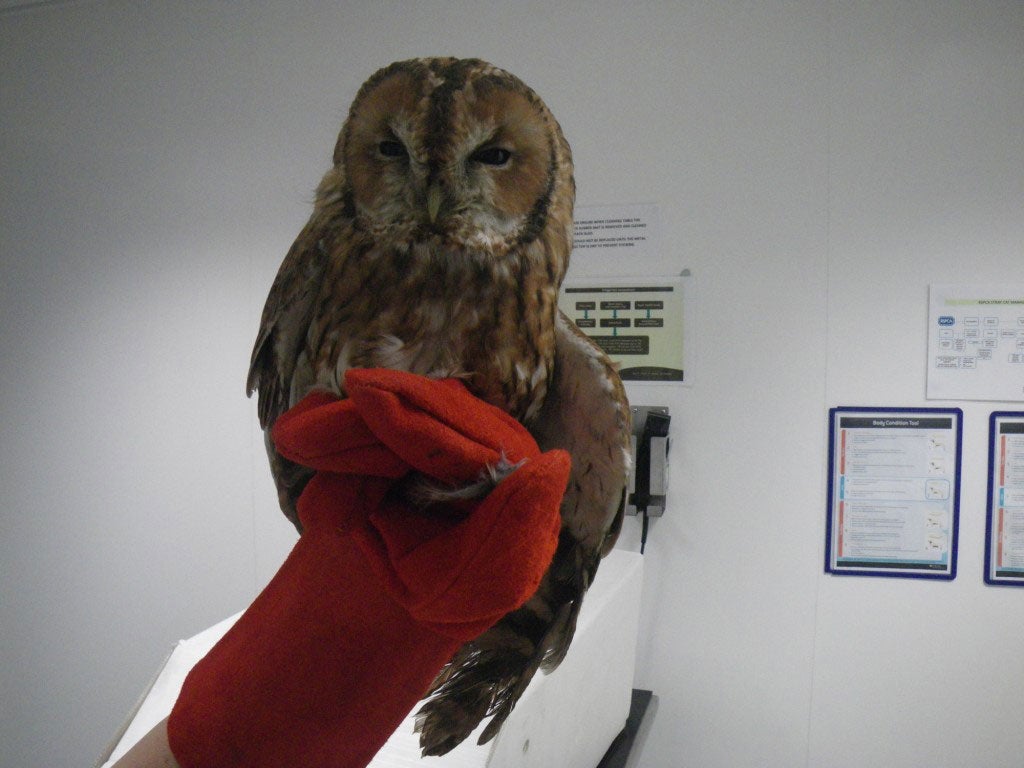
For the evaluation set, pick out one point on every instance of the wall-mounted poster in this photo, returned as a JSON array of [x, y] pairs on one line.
[[976, 342], [894, 491], [1004, 540], [637, 321]]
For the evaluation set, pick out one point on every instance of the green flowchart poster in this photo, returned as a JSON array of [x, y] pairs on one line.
[[638, 322]]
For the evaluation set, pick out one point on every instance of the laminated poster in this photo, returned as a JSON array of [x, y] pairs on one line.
[[894, 491], [638, 322], [1004, 541]]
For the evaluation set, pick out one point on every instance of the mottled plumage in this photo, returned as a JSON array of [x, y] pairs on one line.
[[437, 245]]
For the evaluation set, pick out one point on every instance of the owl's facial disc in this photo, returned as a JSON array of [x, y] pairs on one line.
[[465, 157]]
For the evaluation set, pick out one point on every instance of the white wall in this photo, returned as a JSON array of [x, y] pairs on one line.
[[817, 166]]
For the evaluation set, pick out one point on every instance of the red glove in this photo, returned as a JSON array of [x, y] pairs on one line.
[[377, 594]]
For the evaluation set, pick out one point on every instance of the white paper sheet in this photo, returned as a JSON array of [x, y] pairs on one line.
[[976, 342]]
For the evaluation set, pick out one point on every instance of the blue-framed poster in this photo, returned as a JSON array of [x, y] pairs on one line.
[[1004, 526], [893, 491]]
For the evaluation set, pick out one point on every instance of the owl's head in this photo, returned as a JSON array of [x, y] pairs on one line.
[[458, 151]]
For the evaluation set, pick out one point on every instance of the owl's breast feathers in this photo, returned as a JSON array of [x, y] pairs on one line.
[[436, 308]]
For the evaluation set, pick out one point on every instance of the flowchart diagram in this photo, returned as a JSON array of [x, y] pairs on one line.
[[639, 326], [976, 342]]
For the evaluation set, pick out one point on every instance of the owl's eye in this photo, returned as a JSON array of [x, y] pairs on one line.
[[391, 148], [491, 156]]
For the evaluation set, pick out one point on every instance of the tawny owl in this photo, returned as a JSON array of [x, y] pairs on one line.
[[437, 244]]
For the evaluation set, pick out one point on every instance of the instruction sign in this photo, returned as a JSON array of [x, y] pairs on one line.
[[616, 231], [637, 322]]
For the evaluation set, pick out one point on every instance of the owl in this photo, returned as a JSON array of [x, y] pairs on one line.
[[437, 244]]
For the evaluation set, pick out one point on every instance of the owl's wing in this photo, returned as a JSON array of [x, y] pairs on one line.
[[278, 350], [587, 414], [286, 318]]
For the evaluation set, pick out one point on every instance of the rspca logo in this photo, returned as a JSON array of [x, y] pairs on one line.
[[946, 320]]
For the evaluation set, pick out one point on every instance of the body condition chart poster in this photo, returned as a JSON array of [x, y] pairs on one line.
[[1004, 543], [894, 491]]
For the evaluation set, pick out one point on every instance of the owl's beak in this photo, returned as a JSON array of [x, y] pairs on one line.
[[435, 196]]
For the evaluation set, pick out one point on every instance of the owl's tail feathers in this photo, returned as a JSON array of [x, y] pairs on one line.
[[485, 677], [488, 675]]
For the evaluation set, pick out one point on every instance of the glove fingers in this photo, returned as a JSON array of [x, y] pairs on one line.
[[437, 427], [327, 433], [465, 575]]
